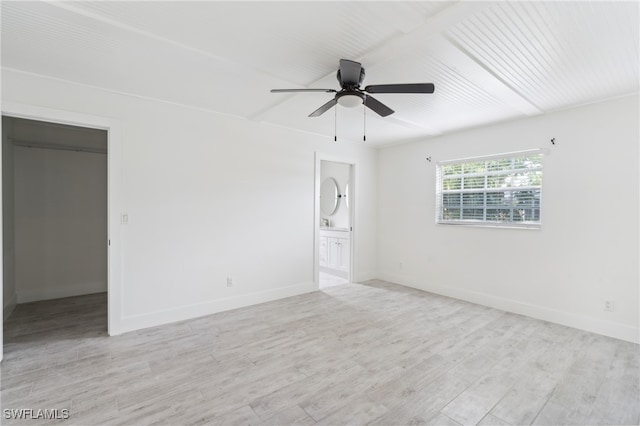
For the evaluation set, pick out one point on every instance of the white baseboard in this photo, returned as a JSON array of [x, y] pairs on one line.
[[9, 306], [34, 295], [138, 322], [582, 322]]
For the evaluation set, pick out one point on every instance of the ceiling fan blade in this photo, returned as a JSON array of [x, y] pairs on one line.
[[377, 106], [324, 108], [302, 90], [401, 88], [350, 72]]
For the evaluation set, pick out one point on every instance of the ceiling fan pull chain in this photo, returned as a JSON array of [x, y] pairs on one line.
[[364, 123], [335, 125]]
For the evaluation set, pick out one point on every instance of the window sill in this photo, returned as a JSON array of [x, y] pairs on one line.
[[531, 226]]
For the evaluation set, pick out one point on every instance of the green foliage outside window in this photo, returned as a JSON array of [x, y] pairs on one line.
[[496, 190]]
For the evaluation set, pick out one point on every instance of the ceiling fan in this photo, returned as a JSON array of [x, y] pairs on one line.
[[350, 76]]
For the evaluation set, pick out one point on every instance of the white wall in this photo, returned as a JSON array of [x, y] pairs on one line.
[[210, 196], [60, 223], [586, 251], [341, 172], [8, 249]]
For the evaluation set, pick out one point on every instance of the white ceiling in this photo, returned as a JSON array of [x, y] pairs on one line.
[[489, 61]]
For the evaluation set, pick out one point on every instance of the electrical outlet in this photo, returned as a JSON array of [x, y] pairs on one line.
[[229, 282], [609, 305]]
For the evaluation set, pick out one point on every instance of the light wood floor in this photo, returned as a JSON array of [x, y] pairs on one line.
[[373, 353]]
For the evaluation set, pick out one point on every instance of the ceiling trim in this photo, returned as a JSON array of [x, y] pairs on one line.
[[481, 75], [490, 82], [504, 91], [431, 27], [181, 105], [393, 45], [123, 93], [66, 5]]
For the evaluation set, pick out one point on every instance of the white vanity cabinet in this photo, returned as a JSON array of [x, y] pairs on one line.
[[324, 255], [334, 251]]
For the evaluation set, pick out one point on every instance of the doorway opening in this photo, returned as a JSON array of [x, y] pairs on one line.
[[55, 230], [334, 242]]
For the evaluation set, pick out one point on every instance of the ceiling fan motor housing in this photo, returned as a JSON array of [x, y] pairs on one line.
[[360, 79]]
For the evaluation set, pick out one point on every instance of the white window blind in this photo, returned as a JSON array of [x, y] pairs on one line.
[[498, 190]]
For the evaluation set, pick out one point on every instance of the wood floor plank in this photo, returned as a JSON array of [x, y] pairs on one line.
[[237, 417], [522, 403], [369, 353], [472, 405], [360, 410], [426, 403], [291, 415], [443, 420], [356, 382], [572, 401], [281, 399], [491, 420]]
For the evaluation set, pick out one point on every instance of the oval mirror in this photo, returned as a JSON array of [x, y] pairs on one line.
[[329, 196]]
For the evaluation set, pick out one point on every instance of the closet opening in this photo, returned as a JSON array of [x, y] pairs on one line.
[[55, 232]]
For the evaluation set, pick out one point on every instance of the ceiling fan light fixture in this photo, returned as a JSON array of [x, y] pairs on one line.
[[350, 100]]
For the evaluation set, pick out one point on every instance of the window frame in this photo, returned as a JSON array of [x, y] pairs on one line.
[[484, 223]]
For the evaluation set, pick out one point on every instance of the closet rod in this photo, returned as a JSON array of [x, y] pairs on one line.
[[29, 144]]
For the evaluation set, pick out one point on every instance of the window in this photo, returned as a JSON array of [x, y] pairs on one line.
[[501, 190]]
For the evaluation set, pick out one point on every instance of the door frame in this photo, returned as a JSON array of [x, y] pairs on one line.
[[114, 165], [319, 158]]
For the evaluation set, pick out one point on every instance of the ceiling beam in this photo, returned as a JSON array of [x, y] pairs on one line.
[[475, 71], [431, 26], [70, 7]]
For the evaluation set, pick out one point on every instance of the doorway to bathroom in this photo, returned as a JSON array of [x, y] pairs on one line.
[[334, 242]]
